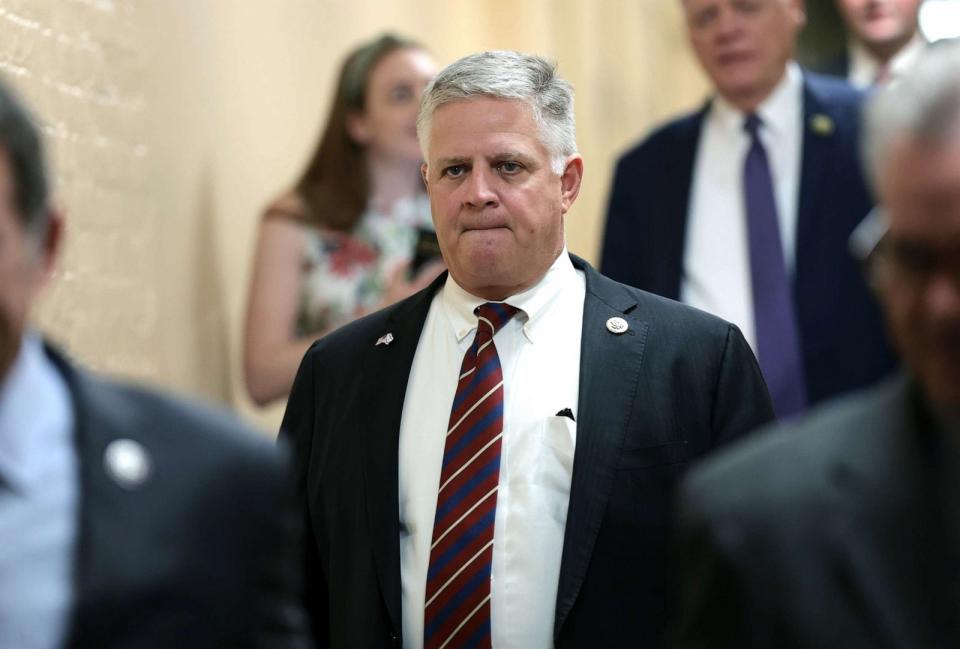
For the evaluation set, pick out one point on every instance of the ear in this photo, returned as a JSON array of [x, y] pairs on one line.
[[357, 128], [424, 170], [50, 245], [570, 181]]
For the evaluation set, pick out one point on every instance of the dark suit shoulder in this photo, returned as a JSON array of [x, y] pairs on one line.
[[662, 139], [657, 310], [677, 314], [790, 465], [192, 439], [835, 96], [182, 415], [833, 88]]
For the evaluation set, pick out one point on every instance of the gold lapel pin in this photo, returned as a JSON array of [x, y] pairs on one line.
[[821, 124]]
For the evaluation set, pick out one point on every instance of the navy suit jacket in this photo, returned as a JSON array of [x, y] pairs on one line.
[[842, 336], [200, 553], [677, 384]]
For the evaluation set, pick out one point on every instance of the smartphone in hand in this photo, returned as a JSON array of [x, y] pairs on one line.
[[426, 250]]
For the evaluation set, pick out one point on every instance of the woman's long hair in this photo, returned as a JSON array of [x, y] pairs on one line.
[[335, 185]]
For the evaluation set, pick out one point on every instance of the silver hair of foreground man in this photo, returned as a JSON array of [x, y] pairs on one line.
[[507, 75], [923, 104]]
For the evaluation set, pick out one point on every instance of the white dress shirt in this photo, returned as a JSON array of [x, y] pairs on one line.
[[539, 352], [38, 502], [716, 260], [863, 68]]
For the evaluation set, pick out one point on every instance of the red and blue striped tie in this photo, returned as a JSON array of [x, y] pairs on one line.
[[457, 611]]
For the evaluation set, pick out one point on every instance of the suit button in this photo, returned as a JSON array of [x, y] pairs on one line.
[[395, 639]]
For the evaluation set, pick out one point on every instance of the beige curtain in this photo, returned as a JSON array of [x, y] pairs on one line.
[[172, 122]]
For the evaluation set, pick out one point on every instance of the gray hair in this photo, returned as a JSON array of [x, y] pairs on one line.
[[507, 75], [924, 104]]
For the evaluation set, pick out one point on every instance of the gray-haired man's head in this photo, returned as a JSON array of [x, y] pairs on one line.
[[507, 75], [912, 149], [501, 169]]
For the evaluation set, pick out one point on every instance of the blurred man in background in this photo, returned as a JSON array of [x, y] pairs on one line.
[[883, 40], [127, 519], [743, 209], [844, 529]]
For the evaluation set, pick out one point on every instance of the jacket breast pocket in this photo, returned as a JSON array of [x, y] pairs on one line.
[[670, 454], [638, 515]]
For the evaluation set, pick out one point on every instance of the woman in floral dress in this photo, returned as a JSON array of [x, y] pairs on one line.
[[338, 245]]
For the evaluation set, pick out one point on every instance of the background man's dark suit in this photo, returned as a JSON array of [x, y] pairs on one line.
[[196, 555], [676, 385], [843, 342], [843, 531]]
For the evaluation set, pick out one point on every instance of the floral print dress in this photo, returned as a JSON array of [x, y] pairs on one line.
[[345, 273]]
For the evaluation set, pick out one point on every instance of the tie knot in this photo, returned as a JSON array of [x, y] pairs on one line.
[[492, 316], [752, 124]]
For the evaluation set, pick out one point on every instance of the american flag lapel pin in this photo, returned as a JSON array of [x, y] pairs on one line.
[[385, 339]]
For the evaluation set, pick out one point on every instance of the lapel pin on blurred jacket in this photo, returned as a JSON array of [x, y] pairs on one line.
[[386, 339], [821, 124], [127, 462]]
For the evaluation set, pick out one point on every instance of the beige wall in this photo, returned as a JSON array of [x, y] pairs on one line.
[[214, 105]]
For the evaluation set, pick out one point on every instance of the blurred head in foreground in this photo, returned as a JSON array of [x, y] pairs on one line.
[[912, 150]]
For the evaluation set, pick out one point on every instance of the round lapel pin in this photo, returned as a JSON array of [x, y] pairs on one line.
[[127, 462], [617, 325]]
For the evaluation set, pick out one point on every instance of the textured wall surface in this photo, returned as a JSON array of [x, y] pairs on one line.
[[80, 65]]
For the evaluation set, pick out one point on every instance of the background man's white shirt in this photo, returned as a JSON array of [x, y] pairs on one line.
[[716, 261], [863, 68], [39, 495]]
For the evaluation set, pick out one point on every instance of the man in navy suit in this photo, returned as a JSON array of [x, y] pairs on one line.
[[493, 460], [744, 208], [842, 529]]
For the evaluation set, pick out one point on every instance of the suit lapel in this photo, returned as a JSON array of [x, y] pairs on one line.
[[609, 372], [818, 144], [386, 370], [105, 511]]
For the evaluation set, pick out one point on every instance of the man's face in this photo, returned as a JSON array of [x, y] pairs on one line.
[[497, 205], [880, 23], [918, 265], [23, 267], [744, 45]]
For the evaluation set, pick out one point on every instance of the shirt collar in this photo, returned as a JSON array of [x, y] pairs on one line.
[[533, 303], [27, 432], [778, 111], [863, 66]]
